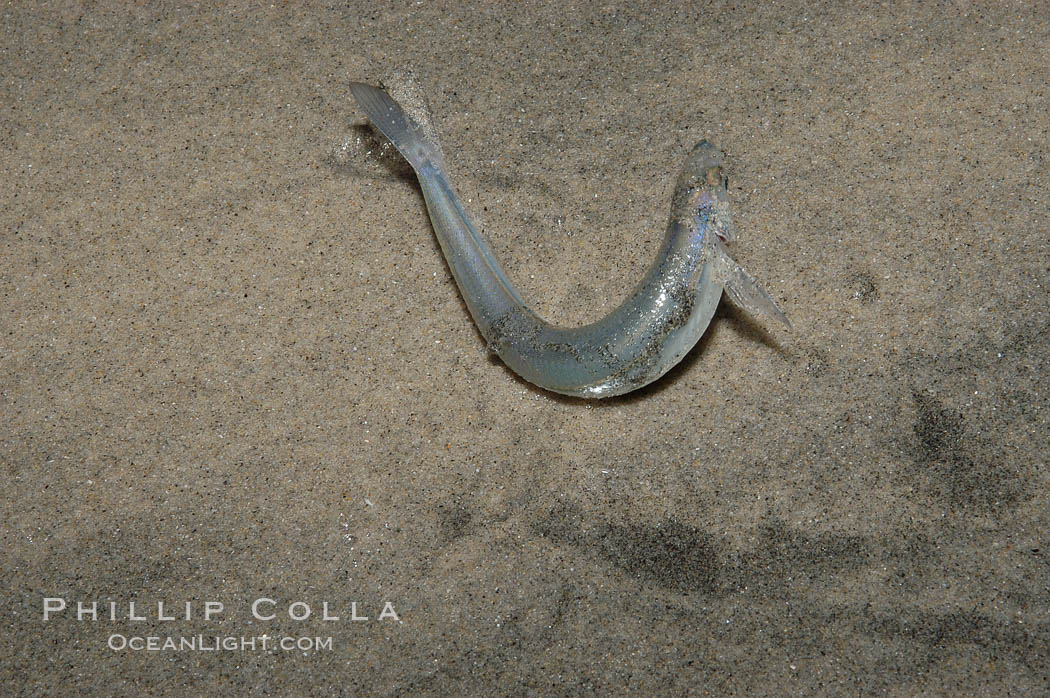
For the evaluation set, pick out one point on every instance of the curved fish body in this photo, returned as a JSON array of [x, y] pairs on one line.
[[636, 343]]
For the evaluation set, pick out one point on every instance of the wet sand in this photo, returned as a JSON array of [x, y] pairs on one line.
[[236, 371]]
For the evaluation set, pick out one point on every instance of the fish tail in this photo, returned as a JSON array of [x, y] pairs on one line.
[[400, 129]]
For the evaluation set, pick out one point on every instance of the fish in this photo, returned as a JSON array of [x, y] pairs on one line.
[[634, 344]]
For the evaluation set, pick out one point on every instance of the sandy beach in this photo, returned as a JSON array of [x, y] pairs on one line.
[[253, 443]]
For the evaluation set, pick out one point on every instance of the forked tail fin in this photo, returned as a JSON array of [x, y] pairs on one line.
[[399, 128]]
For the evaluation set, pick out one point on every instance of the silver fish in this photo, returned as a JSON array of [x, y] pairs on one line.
[[636, 343]]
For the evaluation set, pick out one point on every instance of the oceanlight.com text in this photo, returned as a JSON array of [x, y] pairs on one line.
[[218, 643]]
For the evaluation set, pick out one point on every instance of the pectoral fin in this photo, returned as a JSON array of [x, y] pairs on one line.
[[743, 288]]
